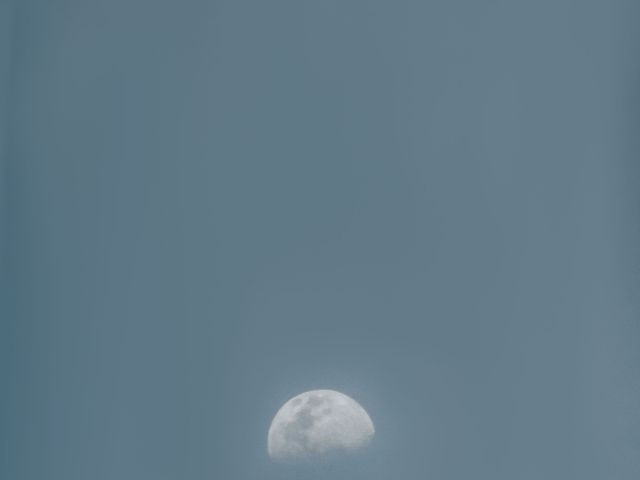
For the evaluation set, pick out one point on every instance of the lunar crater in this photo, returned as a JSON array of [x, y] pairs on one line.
[[317, 423]]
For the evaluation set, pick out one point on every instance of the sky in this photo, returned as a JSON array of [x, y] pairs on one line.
[[209, 207]]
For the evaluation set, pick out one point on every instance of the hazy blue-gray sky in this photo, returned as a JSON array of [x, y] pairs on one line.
[[210, 206]]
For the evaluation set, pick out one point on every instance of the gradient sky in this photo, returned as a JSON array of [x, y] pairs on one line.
[[211, 206]]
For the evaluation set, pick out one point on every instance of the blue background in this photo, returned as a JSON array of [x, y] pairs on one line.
[[211, 206]]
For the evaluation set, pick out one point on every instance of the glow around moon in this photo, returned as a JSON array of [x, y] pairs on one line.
[[317, 423]]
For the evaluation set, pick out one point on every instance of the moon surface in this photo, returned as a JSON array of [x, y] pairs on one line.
[[317, 423]]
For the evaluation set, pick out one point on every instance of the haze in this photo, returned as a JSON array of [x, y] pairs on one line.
[[211, 206]]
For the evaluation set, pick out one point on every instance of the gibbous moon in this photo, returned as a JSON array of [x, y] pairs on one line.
[[317, 423]]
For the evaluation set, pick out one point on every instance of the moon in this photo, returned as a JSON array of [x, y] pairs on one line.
[[317, 423]]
